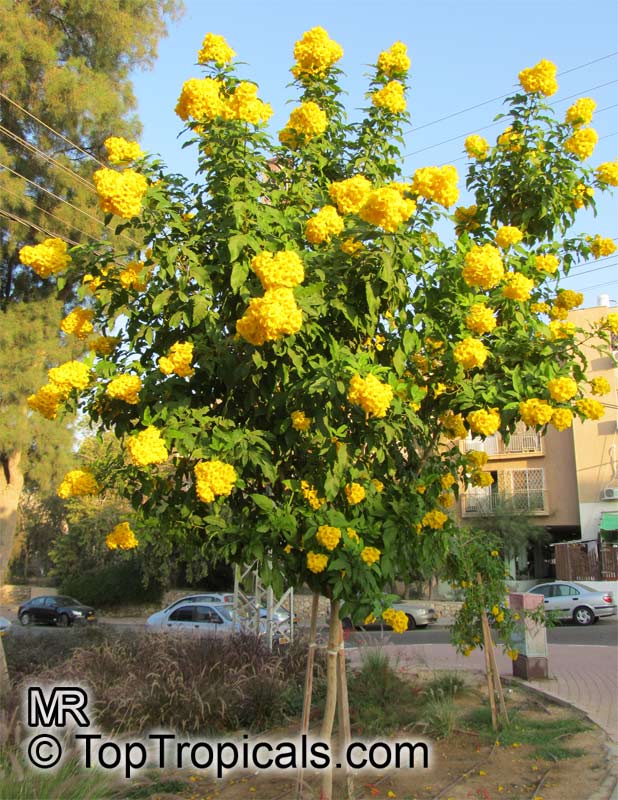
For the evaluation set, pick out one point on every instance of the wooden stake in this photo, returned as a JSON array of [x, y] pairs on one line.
[[304, 726], [331, 696], [498, 683], [487, 645], [343, 709]]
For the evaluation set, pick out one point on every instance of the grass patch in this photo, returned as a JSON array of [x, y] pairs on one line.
[[69, 782], [440, 712], [546, 736], [449, 684]]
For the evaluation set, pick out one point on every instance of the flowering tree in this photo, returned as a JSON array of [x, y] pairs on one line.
[[291, 361]]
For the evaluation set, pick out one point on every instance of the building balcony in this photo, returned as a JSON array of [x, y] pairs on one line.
[[524, 442], [485, 504]]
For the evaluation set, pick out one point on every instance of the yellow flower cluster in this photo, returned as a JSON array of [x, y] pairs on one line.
[[352, 535], [517, 286], [453, 425], [216, 49], [484, 421], [308, 119], [476, 146], [354, 493], [351, 246], [373, 396], [580, 194], [582, 143], [602, 246], [589, 408], [437, 183], [270, 317], [200, 98], [323, 226], [546, 263], [121, 538], [540, 308], [78, 322], [511, 140], [131, 276], [434, 519], [477, 457], [610, 322], [120, 193], [535, 412], [446, 481], [562, 418], [540, 78], [562, 389], [470, 353], [370, 555], [328, 536], [104, 345], [483, 266], [178, 360], [580, 113], [465, 217], [68, 376], [608, 173], [244, 104], [46, 258], [46, 401], [315, 53], [126, 388], [480, 478], [391, 97], [213, 478], [568, 299], [387, 208], [397, 620], [300, 421], [508, 235], [351, 194], [120, 151], [600, 386], [480, 319], [147, 447], [78, 483], [316, 562], [561, 330], [310, 493], [395, 60], [378, 485]]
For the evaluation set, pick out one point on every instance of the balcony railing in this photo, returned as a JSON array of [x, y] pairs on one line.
[[524, 442], [533, 502]]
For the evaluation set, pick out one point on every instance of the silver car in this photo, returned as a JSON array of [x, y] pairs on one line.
[[193, 616], [418, 617], [576, 601]]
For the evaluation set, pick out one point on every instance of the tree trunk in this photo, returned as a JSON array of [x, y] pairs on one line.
[[11, 484], [331, 696]]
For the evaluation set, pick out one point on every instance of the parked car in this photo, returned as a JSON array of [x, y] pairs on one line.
[[418, 617], [55, 610], [576, 601], [204, 597], [5, 624], [193, 616]]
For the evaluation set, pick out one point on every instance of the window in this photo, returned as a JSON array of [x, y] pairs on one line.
[[38, 602], [207, 614], [546, 591], [184, 614]]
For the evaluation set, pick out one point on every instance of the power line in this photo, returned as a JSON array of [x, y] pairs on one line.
[[15, 218], [588, 271]]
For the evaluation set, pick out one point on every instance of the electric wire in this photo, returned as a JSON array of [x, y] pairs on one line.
[[16, 218]]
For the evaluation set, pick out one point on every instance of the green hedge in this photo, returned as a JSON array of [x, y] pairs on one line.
[[113, 585]]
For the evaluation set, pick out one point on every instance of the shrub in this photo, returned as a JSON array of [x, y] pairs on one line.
[[112, 585]]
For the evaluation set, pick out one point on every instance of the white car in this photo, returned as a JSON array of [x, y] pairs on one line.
[[204, 597], [193, 616], [576, 601]]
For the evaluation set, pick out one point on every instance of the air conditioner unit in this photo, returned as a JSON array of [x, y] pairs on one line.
[[609, 493]]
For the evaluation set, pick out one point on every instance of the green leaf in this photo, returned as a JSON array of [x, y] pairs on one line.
[[240, 270], [235, 245], [199, 308], [161, 300], [263, 502], [399, 361]]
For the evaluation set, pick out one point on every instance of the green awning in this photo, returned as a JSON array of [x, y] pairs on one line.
[[609, 521]]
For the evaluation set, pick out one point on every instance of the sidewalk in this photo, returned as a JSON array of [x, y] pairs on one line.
[[584, 677]]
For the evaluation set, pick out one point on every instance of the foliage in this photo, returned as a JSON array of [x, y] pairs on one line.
[[40, 521], [296, 357], [513, 529], [115, 584], [440, 713]]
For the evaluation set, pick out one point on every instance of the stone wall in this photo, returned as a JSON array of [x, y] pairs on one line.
[[15, 595]]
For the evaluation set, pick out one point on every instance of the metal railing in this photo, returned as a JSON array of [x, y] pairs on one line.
[[524, 442], [532, 502]]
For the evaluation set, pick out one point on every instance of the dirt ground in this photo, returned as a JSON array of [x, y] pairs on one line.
[[462, 767]]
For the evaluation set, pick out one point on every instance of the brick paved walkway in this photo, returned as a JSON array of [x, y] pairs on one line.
[[585, 676]]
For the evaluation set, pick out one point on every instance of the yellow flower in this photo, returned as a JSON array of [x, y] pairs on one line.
[[540, 78], [316, 562], [270, 317], [510, 140], [378, 485], [562, 389], [131, 276], [610, 322], [46, 258], [397, 620], [513, 655], [391, 97], [300, 421], [602, 247], [78, 483], [608, 173], [437, 183], [315, 53], [147, 447], [434, 519], [287, 549], [484, 421], [480, 478], [178, 360], [580, 113], [213, 478], [580, 195], [323, 225], [562, 418], [480, 319], [476, 147], [120, 193], [567, 298], [453, 425], [477, 457], [546, 263], [387, 208], [589, 408], [46, 401], [200, 98], [283, 269], [351, 246], [125, 387], [328, 536], [351, 194], [68, 376], [120, 151], [561, 330], [483, 267], [517, 286], [582, 143], [465, 217], [354, 493], [352, 535], [395, 60], [244, 104], [495, 553], [308, 119], [78, 322], [215, 48], [508, 235], [600, 386], [310, 493], [121, 538], [373, 396], [470, 353], [535, 412]]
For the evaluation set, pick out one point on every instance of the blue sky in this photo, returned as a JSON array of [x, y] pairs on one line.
[[464, 53]]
